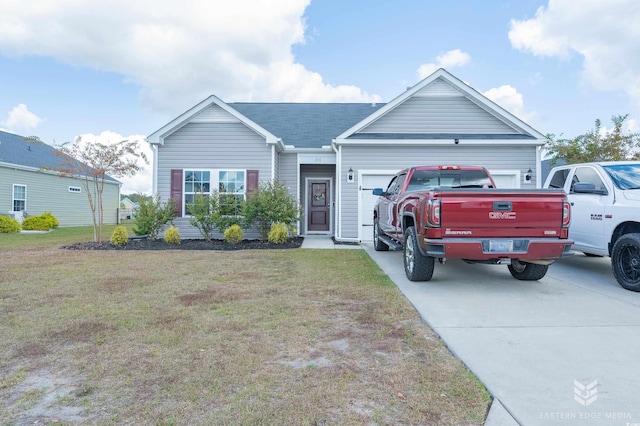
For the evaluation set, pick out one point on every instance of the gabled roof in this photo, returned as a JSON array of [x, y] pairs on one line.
[[29, 153], [442, 85], [306, 125], [159, 135]]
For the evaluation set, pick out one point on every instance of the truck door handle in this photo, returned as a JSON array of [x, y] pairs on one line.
[[502, 205]]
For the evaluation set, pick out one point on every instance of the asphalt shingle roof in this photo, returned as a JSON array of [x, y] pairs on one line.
[[306, 125], [21, 151]]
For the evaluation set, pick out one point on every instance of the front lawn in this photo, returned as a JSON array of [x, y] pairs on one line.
[[273, 337]]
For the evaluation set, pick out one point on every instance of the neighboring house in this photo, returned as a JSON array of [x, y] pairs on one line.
[[331, 155], [27, 186], [127, 208]]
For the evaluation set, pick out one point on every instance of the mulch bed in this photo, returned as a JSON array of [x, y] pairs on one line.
[[146, 244]]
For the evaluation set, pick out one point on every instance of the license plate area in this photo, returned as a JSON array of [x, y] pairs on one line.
[[500, 246]]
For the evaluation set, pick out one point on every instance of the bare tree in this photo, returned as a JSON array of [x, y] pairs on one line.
[[93, 163]]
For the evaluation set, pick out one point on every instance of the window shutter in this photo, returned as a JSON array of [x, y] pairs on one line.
[[176, 190], [252, 181]]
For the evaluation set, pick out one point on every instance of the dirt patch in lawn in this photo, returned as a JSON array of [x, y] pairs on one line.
[[277, 337]]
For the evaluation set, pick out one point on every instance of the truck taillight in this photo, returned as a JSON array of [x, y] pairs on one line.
[[432, 214], [566, 214]]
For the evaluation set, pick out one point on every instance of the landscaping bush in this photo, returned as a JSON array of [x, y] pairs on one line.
[[36, 223], [120, 237], [270, 203], [49, 217], [279, 233], [152, 215], [214, 211], [172, 235], [233, 234], [8, 225]]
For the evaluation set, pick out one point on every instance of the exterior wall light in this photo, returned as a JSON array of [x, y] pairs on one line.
[[350, 175], [527, 177]]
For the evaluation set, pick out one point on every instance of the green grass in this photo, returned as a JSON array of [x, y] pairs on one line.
[[273, 337], [55, 238]]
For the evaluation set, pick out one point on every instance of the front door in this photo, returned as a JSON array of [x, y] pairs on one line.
[[318, 206]]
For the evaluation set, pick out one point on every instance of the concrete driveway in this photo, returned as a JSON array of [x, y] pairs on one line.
[[564, 350]]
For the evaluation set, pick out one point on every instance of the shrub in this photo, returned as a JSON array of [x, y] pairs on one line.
[[233, 234], [152, 215], [49, 217], [214, 211], [36, 223], [119, 236], [270, 203], [8, 225], [279, 233], [172, 235]]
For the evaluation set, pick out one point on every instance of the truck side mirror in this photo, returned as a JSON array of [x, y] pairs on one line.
[[587, 188], [378, 191]]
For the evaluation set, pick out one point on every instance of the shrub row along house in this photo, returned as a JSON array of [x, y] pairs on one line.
[[29, 186], [331, 155]]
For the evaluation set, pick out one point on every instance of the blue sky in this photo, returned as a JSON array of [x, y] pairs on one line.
[[118, 69]]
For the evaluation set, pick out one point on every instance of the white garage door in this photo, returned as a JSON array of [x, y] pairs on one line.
[[367, 201], [506, 178]]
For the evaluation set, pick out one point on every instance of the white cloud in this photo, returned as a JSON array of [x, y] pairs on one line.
[[510, 99], [605, 34], [142, 181], [450, 59], [21, 120], [178, 53]]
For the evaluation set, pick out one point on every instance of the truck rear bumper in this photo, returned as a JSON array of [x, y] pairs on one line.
[[485, 249]]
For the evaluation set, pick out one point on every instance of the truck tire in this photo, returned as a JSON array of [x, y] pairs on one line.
[[625, 261], [377, 244], [417, 266], [527, 271]]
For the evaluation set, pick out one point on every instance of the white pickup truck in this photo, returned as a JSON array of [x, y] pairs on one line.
[[605, 213]]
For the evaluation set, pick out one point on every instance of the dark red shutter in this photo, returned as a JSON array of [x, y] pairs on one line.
[[176, 190], [252, 181]]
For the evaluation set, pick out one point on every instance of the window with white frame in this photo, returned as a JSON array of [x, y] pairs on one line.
[[19, 198], [229, 183]]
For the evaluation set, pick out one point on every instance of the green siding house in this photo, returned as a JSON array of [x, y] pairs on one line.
[[27, 187]]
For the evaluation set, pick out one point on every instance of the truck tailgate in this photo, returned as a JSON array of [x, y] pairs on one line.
[[499, 212]]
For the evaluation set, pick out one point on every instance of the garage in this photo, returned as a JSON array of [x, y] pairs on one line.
[[366, 201]]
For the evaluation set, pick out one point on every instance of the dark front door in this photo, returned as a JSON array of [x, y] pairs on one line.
[[318, 206]]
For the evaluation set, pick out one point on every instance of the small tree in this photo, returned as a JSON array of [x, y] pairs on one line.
[[152, 215], [92, 163], [214, 211], [271, 202], [596, 145]]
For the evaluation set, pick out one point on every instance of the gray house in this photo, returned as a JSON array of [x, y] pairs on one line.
[[27, 187], [330, 155]]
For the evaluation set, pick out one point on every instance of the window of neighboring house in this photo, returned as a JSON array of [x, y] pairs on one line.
[[19, 198], [229, 183]]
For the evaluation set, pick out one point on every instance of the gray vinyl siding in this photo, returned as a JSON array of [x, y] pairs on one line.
[[439, 114], [206, 146], [288, 171], [399, 157], [50, 193]]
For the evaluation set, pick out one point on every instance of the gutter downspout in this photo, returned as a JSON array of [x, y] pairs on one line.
[[337, 231]]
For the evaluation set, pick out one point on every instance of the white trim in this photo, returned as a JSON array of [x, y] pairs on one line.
[[472, 94], [361, 173], [507, 172], [440, 142], [317, 158], [13, 196], [110, 180], [159, 135], [331, 205]]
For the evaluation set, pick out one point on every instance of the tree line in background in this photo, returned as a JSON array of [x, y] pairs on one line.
[[597, 144]]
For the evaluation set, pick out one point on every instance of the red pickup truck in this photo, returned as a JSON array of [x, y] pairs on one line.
[[440, 212]]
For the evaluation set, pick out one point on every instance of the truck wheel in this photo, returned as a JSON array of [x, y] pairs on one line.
[[527, 271], [417, 266], [377, 244], [625, 261]]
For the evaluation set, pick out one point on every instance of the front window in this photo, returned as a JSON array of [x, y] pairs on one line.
[[19, 198], [230, 185], [624, 176]]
